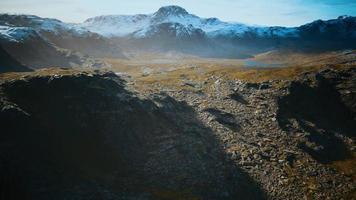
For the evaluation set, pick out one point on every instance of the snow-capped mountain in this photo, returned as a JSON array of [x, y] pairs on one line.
[[23, 28], [16, 34], [173, 20], [41, 24], [141, 25], [116, 25], [39, 42], [171, 28]]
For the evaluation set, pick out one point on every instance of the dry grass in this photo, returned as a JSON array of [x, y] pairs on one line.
[[44, 72], [173, 70], [263, 74], [290, 58], [347, 167], [177, 77], [164, 194]]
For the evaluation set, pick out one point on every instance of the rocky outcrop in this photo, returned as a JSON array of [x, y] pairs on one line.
[[293, 137], [86, 136], [323, 105]]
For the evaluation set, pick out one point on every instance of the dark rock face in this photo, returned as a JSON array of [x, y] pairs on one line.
[[324, 106], [170, 11], [9, 64], [86, 136], [332, 34], [224, 118], [35, 52]]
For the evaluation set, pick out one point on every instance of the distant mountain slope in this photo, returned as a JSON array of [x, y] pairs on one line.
[[63, 35], [32, 49], [9, 64], [141, 25], [337, 33], [172, 28]]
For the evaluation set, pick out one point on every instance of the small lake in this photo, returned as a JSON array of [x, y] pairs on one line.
[[253, 63]]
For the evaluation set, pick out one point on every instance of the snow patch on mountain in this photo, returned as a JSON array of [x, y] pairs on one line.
[[145, 25], [21, 22], [116, 25], [15, 34], [142, 25]]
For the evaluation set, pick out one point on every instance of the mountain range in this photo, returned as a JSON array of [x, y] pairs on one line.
[[37, 42], [184, 23]]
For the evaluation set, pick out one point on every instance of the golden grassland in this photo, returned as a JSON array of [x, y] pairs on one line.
[[174, 72], [40, 72], [177, 77], [171, 69], [151, 69], [292, 58]]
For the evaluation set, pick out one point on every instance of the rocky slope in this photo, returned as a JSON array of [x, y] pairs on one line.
[[93, 135], [40, 42], [91, 138], [9, 64], [64, 35]]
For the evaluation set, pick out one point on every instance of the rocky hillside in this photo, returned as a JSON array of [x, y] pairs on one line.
[[9, 64], [86, 132], [40, 42], [63, 35], [95, 135]]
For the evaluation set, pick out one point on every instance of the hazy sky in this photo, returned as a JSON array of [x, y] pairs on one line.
[[262, 12]]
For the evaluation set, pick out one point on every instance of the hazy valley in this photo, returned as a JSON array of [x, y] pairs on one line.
[[170, 105]]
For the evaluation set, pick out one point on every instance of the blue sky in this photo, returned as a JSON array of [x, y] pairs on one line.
[[262, 12]]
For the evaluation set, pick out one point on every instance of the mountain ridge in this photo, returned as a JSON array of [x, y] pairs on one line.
[[168, 14], [213, 27], [125, 25], [172, 28]]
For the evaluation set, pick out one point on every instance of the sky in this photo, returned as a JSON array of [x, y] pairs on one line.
[[255, 12]]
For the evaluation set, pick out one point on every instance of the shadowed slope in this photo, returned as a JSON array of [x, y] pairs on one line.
[[88, 137], [9, 64], [322, 106]]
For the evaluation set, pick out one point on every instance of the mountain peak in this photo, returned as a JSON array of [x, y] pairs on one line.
[[171, 10], [344, 17]]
